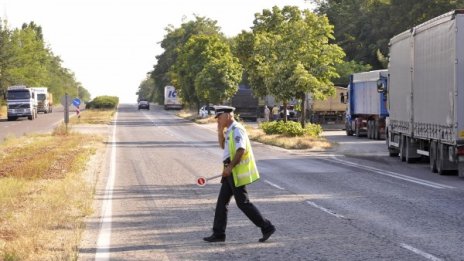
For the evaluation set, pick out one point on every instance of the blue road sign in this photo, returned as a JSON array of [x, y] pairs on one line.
[[76, 102]]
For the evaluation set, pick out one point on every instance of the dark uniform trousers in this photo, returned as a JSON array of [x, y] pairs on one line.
[[240, 194]]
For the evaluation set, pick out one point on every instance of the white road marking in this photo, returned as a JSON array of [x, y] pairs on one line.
[[325, 210], [104, 236], [394, 175], [420, 252], [274, 185]]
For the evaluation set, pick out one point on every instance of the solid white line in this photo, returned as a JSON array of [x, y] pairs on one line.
[[104, 235], [325, 210], [420, 252], [274, 185], [395, 175]]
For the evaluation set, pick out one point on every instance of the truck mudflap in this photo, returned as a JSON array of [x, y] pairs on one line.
[[460, 160], [461, 169]]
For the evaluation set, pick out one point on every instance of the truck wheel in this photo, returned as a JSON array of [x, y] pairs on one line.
[[349, 131], [369, 129], [407, 156], [357, 131], [392, 152], [440, 159], [402, 148], [376, 130], [433, 156]]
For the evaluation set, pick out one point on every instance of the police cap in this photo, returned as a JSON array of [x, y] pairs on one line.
[[223, 109]]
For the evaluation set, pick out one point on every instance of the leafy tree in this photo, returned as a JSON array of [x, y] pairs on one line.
[[164, 71], [207, 71], [145, 91], [291, 55], [345, 69], [363, 28], [25, 59]]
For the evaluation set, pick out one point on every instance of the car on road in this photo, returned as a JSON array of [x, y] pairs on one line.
[[203, 112], [144, 105]]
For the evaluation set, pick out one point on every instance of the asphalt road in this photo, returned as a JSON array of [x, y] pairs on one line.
[[44, 123], [349, 203]]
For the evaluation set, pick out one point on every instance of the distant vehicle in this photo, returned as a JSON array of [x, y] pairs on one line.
[[366, 107], [21, 102], [144, 105], [44, 99], [171, 100], [203, 112], [426, 93], [292, 114], [330, 111], [246, 105]]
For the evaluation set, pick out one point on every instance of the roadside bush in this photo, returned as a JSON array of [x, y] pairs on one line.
[[103, 102], [291, 128]]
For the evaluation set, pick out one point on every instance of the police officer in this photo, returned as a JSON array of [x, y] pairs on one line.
[[239, 170]]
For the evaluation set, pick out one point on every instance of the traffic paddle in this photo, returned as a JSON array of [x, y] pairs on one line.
[[201, 181]]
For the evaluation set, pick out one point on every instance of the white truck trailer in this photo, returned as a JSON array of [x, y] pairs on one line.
[[426, 93], [44, 99], [171, 100]]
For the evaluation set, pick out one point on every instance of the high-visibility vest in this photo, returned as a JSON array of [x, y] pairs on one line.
[[245, 172]]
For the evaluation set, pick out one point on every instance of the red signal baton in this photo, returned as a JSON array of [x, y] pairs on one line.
[[201, 181]]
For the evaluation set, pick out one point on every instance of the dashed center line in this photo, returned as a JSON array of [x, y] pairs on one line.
[[274, 185], [325, 210], [420, 252]]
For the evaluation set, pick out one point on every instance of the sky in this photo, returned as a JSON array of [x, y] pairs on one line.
[[111, 45]]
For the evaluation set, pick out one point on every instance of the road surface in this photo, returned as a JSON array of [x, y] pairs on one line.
[[349, 203]]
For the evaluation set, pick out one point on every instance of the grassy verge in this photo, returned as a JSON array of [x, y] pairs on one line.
[[302, 142], [299, 143], [43, 195], [93, 116], [3, 111]]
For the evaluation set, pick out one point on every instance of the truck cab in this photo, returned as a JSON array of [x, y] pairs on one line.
[[21, 102]]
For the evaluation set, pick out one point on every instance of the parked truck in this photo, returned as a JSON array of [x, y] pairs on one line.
[[21, 102], [330, 111], [426, 93], [171, 100], [246, 105], [366, 107], [44, 99]]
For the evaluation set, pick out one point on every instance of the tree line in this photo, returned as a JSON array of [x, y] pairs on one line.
[[287, 53], [25, 59]]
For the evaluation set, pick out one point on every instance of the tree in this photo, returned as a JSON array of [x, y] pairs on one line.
[[292, 56], [26, 60], [207, 71], [145, 91], [363, 28], [164, 71]]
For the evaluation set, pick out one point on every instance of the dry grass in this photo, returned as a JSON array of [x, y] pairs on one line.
[[3, 111], [298, 143], [93, 117], [43, 196]]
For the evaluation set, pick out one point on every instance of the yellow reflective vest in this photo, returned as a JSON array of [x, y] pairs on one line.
[[245, 172]]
